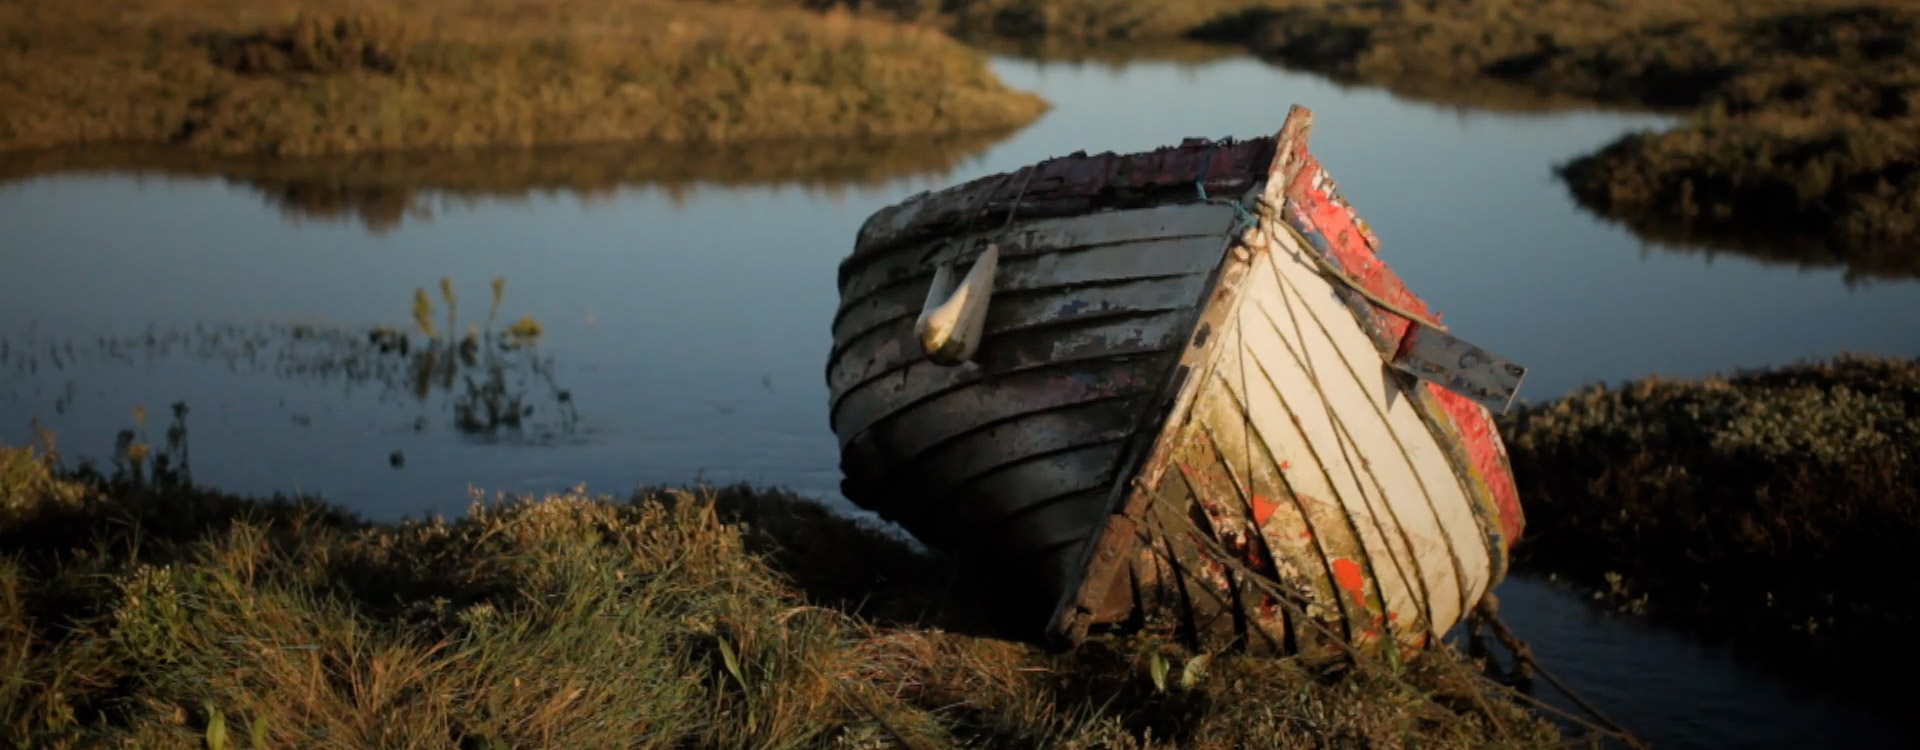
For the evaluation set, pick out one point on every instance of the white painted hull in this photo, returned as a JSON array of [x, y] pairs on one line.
[[1156, 370]]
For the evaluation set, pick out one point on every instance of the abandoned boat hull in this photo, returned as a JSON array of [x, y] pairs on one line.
[[1174, 415]]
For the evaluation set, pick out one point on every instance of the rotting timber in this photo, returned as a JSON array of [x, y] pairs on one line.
[[1174, 390]]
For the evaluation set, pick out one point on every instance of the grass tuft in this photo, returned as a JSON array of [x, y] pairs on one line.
[[173, 617], [335, 45]]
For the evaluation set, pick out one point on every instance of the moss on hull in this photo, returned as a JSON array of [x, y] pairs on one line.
[[1779, 507], [328, 77], [150, 615]]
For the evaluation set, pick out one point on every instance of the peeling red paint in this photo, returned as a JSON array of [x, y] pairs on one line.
[[1347, 573], [1480, 437], [1313, 195], [1263, 509]]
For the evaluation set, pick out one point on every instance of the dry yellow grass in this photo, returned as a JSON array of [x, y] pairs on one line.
[[153, 615], [334, 76]]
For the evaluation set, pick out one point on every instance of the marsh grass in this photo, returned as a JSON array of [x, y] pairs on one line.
[[155, 617], [303, 77], [1780, 508]]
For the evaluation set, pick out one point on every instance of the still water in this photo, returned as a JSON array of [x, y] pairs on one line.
[[686, 323]]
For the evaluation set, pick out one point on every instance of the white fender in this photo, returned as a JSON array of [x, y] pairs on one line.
[[952, 320]]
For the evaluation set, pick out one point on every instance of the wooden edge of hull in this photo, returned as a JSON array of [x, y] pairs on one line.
[[1317, 211], [1105, 557]]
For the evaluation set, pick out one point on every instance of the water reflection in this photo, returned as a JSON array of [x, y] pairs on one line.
[[489, 382], [1859, 263], [1676, 691], [384, 190]]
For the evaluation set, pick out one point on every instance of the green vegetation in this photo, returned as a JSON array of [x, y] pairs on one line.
[[305, 77], [152, 613], [1780, 508]]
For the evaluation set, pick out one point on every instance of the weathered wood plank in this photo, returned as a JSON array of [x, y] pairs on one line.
[[1157, 230], [1460, 366], [892, 312], [1374, 442], [925, 421], [1300, 544], [1230, 514], [1075, 179], [1271, 360], [990, 498], [1433, 476], [908, 377], [893, 487]]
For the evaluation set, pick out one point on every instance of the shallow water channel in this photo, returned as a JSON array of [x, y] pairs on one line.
[[686, 326]]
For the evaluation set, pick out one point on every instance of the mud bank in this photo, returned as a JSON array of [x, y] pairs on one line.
[[1779, 508]]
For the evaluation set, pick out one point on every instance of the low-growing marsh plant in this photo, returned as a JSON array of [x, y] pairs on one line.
[[1781, 506]]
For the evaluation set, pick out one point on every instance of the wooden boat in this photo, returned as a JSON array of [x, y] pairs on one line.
[[1177, 390]]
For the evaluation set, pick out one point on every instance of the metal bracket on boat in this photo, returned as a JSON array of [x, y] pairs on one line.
[[1428, 351], [1439, 357], [952, 320]]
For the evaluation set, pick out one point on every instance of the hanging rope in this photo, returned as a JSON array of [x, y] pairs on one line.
[[1488, 612]]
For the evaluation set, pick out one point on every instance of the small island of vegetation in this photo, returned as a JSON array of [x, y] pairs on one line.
[[1778, 508]]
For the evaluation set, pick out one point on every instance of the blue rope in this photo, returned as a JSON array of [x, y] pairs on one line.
[[1247, 218], [1206, 165]]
